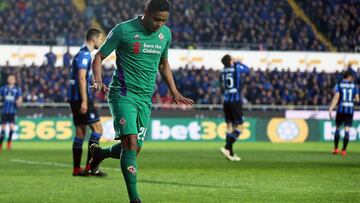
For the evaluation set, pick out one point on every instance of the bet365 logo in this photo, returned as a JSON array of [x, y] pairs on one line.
[[194, 130]]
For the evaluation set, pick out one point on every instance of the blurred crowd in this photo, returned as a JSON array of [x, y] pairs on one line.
[[271, 87], [338, 20], [258, 25], [249, 24], [42, 21]]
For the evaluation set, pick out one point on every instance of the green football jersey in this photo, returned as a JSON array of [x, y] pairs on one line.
[[138, 53]]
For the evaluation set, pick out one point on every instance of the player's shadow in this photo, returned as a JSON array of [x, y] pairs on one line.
[[185, 184]]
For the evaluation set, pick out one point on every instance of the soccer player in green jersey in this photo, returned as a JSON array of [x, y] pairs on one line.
[[141, 47]]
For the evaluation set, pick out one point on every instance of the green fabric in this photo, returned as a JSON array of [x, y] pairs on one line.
[[138, 53], [129, 170], [114, 151], [130, 116]]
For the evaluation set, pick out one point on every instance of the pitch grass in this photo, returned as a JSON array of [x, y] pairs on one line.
[[186, 172]]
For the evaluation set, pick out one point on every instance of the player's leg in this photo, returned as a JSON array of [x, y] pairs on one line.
[[11, 121], [11, 131], [348, 123], [229, 137], [346, 140], [125, 114], [238, 128], [129, 166], [80, 132], [338, 123], [2, 134], [96, 132], [131, 148], [236, 118], [227, 149], [91, 117]]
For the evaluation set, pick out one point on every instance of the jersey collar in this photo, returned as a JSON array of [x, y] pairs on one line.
[[85, 48]]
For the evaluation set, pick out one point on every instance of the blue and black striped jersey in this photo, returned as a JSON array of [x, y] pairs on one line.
[[232, 83], [348, 90], [9, 96], [82, 60]]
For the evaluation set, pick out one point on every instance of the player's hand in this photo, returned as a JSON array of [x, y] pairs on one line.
[[179, 99], [330, 114], [83, 107], [99, 86]]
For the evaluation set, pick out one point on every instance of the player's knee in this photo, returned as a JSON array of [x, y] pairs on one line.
[[229, 127], [97, 127], [129, 142]]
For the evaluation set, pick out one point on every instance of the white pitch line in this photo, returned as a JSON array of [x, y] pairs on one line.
[[45, 163]]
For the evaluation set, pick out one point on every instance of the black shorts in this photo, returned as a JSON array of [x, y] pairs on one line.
[[233, 113], [7, 118], [90, 117], [342, 118]]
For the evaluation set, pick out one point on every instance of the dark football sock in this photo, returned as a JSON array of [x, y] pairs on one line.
[[236, 133], [346, 140], [336, 138], [230, 139], [129, 171], [77, 151], [10, 135], [94, 138], [2, 137]]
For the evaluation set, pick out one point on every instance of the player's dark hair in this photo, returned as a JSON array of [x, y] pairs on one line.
[[347, 74], [157, 5], [92, 32], [226, 60]]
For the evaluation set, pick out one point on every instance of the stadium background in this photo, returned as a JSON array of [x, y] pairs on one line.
[[296, 49]]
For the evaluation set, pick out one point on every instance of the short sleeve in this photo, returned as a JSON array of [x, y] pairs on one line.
[[336, 89], [83, 60], [166, 50], [112, 41]]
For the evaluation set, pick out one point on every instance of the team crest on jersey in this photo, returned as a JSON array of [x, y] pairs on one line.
[[132, 170], [92, 115], [122, 121], [137, 36], [137, 48], [161, 36]]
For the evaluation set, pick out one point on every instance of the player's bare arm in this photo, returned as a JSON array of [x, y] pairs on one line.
[[334, 102], [96, 68], [166, 74], [82, 90], [19, 101]]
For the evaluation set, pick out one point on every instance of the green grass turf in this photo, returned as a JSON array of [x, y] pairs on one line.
[[187, 172]]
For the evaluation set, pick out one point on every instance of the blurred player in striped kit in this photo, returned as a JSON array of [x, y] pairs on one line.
[[346, 93], [232, 84], [82, 104], [11, 96]]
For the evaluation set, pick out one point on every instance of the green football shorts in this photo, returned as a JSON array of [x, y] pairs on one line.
[[130, 116]]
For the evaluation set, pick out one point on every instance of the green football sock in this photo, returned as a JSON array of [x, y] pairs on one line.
[[114, 151], [129, 171]]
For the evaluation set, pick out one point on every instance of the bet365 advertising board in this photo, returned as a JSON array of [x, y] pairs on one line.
[[278, 130]]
